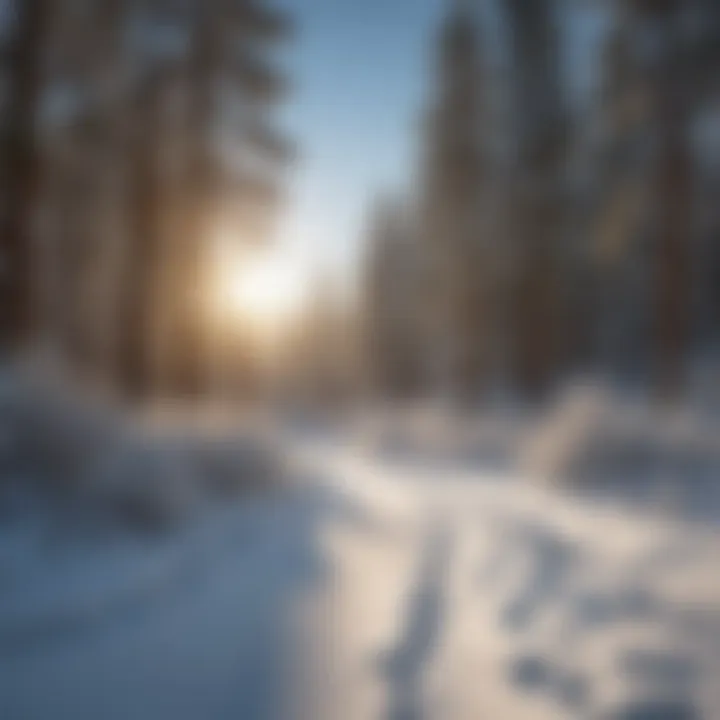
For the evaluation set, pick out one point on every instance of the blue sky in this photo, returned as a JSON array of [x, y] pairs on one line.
[[359, 69]]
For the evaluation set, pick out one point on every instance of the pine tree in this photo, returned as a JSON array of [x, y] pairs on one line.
[[619, 258], [391, 309], [675, 64], [221, 61], [120, 121], [451, 212], [144, 244], [83, 156], [20, 168], [536, 227]]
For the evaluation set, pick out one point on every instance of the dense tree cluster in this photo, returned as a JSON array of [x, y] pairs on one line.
[[131, 130], [558, 237]]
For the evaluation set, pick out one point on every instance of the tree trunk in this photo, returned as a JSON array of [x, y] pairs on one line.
[[537, 226], [19, 156], [143, 253], [672, 195], [189, 367]]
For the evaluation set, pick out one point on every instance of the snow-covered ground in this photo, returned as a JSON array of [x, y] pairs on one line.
[[376, 585]]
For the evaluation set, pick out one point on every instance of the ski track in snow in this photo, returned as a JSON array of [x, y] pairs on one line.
[[378, 589]]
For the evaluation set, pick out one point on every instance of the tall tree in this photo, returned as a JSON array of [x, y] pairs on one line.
[[392, 303], [618, 222], [451, 211], [84, 157], [144, 243], [668, 65], [224, 66], [19, 158], [536, 227]]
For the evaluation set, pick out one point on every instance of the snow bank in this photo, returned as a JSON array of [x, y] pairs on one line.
[[433, 436], [48, 439], [77, 459], [595, 438]]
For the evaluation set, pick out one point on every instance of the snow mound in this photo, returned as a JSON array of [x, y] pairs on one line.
[[440, 436], [61, 455], [48, 438], [594, 438], [145, 484]]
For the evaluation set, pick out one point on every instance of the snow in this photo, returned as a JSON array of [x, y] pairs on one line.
[[515, 601], [79, 462], [596, 440], [386, 577], [185, 626]]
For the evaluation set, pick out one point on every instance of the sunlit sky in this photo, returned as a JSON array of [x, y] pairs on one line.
[[359, 71]]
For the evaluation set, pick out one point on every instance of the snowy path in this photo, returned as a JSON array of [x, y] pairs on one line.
[[466, 597], [389, 590]]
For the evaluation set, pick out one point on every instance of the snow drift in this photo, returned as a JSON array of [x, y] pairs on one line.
[[595, 439], [69, 456]]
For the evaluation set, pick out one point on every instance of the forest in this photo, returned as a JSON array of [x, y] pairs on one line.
[[359, 360], [549, 236], [133, 133]]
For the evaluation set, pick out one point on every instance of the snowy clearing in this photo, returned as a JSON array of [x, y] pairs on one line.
[[370, 588]]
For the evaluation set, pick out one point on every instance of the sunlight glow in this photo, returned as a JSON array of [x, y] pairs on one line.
[[260, 287]]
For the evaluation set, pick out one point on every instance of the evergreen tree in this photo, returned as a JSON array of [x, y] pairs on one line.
[[20, 167], [451, 212], [682, 58], [224, 67], [391, 309], [618, 225], [130, 128], [536, 225]]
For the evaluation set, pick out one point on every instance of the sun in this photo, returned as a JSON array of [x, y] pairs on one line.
[[260, 287]]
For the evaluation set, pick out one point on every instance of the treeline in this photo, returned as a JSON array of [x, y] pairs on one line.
[[131, 130], [547, 236]]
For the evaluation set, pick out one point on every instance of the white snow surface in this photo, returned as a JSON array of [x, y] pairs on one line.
[[375, 585]]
